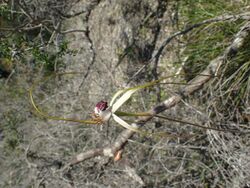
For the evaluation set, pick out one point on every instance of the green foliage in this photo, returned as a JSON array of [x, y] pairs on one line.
[[18, 44], [5, 13], [5, 51], [208, 42], [197, 10], [49, 59]]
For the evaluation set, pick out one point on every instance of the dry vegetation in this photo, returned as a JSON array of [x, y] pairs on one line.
[[115, 44]]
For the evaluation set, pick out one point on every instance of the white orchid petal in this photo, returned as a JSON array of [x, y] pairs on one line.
[[124, 123], [123, 99], [128, 92], [116, 95]]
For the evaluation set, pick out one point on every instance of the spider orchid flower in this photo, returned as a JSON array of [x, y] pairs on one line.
[[103, 112]]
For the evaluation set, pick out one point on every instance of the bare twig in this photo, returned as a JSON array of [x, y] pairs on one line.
[[72, 31], [26, 13]]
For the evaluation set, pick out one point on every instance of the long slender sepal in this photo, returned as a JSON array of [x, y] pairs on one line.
[[130, 91], [119, 113], [43, 114], [194, 124]]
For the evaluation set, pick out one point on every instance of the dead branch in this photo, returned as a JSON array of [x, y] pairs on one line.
[[194, 85]]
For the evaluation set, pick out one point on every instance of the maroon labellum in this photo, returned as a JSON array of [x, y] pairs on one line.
[[101, 106], [102, 112]]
